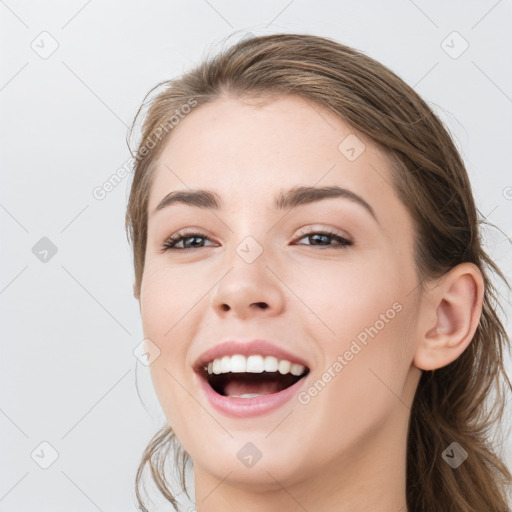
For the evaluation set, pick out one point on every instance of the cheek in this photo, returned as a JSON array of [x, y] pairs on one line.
[[365, 370], [167, 299], [164, 298], [367, 317], [346, 297], [162, 306]]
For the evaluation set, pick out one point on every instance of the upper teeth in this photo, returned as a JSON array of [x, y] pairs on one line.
[[253, 364]]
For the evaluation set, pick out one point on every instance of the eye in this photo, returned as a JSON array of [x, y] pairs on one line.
[[325, 235], [172, 241]]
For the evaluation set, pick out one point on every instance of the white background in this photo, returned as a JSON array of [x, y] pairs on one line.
[[69, 325]]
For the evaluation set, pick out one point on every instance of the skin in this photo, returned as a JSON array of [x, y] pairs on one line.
[[345, 450]]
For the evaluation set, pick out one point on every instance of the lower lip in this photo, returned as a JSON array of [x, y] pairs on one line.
[[237, 407]]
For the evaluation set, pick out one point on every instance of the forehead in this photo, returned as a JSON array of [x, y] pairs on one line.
[[248, 150]]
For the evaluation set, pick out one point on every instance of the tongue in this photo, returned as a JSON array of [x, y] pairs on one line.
[[263, 387]]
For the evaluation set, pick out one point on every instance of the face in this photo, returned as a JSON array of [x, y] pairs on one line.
[[342, 302]]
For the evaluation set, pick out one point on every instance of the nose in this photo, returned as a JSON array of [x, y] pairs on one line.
[[248, 289]]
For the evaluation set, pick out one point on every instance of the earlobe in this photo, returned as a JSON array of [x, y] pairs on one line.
[[449, 317]]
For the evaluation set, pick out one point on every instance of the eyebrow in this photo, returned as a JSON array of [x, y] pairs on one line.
[[292, 198]]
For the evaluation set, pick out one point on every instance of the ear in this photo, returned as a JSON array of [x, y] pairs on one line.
[[449, 317]]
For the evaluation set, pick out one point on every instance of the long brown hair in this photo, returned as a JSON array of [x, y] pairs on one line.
[[430, 178]]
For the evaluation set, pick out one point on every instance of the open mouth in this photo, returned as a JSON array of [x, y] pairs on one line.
[[249, 385]]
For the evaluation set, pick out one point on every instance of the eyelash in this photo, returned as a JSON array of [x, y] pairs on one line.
[[170, 243]]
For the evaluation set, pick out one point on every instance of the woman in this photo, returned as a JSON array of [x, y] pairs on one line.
[[310, 273]]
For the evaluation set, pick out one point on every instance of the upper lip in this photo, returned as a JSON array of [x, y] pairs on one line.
[[253, 347]]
